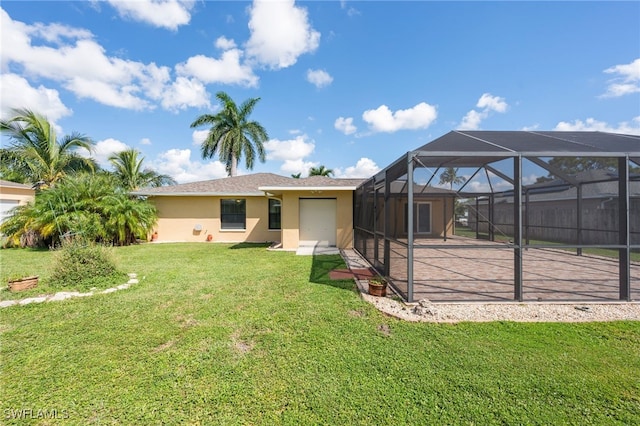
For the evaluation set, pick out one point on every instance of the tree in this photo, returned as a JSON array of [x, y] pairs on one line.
[[296, 175], [320, 171], [40, 155], [232, 135], [93, 206], [450, 176], [12, 167], [128, 169], [573, 165]]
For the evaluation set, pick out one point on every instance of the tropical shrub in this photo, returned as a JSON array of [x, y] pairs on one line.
[[82, 265], [93, 206]]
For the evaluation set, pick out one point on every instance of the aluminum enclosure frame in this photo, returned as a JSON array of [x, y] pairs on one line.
[[489, 148]]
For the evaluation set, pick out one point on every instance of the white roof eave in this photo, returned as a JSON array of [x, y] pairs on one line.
[[199, 194], [306, 188]]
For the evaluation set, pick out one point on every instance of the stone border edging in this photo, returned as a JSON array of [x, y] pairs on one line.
[[63, 295]]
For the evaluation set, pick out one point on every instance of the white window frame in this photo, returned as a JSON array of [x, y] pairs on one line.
[[416, 217]]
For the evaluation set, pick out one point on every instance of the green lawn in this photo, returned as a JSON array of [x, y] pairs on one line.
[[220, 334]]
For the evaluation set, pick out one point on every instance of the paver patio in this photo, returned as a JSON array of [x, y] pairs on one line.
[[486, 274]]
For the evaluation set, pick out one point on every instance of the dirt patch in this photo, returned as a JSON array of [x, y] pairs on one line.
[[241, 346], [164, 346], [385, 330], [187, 322]]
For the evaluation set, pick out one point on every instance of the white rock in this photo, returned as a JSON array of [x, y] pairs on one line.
[[63, 295], [33, 300]]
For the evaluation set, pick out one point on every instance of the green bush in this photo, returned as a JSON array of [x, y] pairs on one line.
[[81, 265]]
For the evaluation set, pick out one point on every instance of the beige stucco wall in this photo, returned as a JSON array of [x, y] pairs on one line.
[[291, 216], [437, 216], [22, 195], [178, 217]]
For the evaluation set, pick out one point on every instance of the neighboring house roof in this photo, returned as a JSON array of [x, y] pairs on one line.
[[9, 184], [597, 184], [249, 185], [400, 186]]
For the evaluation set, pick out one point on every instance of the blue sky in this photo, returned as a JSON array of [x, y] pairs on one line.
[[349, 85]]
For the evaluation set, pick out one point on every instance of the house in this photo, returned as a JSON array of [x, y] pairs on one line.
[[258, 207], [14, 194]]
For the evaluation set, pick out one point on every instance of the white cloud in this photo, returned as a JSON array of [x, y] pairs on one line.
[[364, 168], [226, 70], [291, 149], [105, 148], [16, 92], [198, 136], [121, 96], [225, 43], [351, 11], [319, 78], [168, 14], [591, 124], [488, 104], [477, 186], [177, 163], [626, 80], [145, 141], [55, 33], [530, 128], [280, 33], [292, 152], [383, 120], [185, 92], [72, 58], [492, 103], [345, 125], [298, 166]]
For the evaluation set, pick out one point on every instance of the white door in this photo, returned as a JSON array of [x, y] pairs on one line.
[[318, 222]]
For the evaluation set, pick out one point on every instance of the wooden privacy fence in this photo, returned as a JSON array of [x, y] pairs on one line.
[[555, 221]]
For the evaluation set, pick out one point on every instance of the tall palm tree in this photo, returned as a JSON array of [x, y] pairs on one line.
[[232, 134], [128, 169], [45, 157], [320, 171], [450, 176]]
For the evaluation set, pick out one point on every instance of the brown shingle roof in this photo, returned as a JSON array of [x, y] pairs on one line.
[[246, 185], [317, 182]]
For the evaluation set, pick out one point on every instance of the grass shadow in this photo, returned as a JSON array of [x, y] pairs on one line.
[[249, 245], [325, 263]]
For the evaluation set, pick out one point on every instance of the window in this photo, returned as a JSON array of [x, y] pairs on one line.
[[274, 213], [421, 218], [233, 214]]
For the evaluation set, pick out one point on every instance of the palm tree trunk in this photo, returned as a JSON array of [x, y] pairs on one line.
[[234, 165]]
